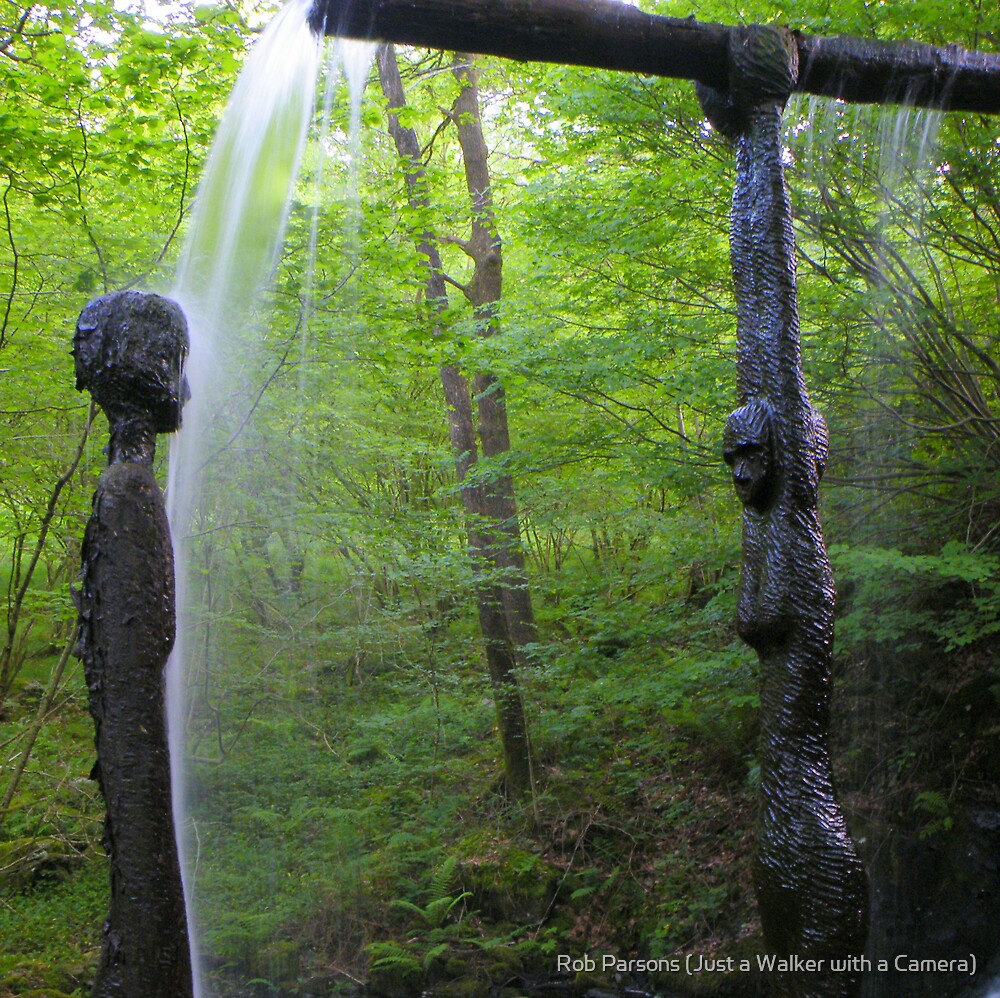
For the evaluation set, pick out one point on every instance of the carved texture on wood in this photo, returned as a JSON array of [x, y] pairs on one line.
[[810, 884], [129, 351]]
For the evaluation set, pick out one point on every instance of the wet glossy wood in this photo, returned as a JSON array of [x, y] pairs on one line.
[[607, 34]]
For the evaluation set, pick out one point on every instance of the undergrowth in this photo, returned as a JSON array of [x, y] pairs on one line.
[[350, 832]]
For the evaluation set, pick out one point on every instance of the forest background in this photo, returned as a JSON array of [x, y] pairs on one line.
[[356, 814]]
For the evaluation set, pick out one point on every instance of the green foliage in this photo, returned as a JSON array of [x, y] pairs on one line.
[[935, 809], [435, 912], [341, 737], [951, 598], [434, 931], [396, 959], [51, 932]]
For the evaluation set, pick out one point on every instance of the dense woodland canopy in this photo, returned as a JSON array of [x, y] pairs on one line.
[[355, 811]]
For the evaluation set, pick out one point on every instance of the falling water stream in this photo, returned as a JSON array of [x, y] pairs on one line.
[[231, 251]]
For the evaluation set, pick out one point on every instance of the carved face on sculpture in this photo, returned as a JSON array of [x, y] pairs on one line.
[[129, 351], [747, 449]]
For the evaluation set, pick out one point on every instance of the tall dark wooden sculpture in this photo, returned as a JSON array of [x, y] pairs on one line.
[[129, 350], [811, 888]]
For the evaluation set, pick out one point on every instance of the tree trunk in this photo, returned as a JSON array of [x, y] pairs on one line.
[[484, 293], [607, 34], [500, 645]]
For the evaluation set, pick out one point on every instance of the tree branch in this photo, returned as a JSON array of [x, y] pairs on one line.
[[607, 34]]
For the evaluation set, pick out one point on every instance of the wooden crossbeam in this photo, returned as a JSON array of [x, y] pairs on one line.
[[608, 34]]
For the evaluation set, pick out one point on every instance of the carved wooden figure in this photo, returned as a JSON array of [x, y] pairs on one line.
[[129, 350], [811, 888]]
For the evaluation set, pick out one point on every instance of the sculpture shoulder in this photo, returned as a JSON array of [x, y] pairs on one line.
[[128, 513], [128, 492], [129, 480]]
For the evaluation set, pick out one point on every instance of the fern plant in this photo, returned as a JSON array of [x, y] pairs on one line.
[[435, 913], [393, 957], [937, 808], [435, 931], [443, 879]]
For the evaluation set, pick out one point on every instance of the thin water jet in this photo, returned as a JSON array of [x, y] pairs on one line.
[[931, 894], [227, 267], [230, 252]]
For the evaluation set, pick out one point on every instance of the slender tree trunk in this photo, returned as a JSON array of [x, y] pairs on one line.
[[484, 293], [499, 642], [20, 583], [41, 716]]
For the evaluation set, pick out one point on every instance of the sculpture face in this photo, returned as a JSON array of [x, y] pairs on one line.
[[746, 448], [129, 351]]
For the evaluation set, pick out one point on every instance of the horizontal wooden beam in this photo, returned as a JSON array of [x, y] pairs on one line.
[[608, 34]]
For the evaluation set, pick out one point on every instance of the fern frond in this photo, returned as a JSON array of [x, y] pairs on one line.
[[392, 956], [433, 953], [413, 909], [436, 913], [443, 880]]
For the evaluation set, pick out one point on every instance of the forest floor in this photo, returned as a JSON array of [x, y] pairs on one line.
[[360, 833], [351, 827]]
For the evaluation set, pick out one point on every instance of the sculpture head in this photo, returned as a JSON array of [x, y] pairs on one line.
[[129, 351], [747, 448]]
